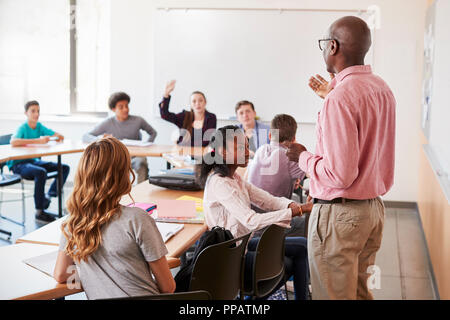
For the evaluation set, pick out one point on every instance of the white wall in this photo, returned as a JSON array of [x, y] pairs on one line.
[[398, 59]]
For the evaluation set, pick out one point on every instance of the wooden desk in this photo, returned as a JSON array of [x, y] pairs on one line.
[[7, 152], [144, 192], [20, 281]]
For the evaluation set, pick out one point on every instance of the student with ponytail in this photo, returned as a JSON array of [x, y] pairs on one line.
[[195, 125], [228, 199], [118, 250]]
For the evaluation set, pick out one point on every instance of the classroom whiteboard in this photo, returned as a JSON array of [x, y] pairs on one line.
[[265, 56]]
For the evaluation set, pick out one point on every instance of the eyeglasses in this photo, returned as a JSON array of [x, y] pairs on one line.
[[323, 40]]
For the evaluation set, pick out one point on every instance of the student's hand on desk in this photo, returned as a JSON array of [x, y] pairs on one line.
[[320, 86], [107, 135], [43, 140], [294, 151], [169, 88]]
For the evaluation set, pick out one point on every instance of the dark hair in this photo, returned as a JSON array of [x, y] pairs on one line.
[[243, 103], [116, 97], [286, 126], [212, 161], [30, 103], [189, 115]]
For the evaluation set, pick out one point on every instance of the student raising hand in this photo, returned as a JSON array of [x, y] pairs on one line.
[[320, 86], [169, 88]]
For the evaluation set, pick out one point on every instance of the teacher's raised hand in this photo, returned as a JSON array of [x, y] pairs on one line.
[[320, 86], [169, 88]]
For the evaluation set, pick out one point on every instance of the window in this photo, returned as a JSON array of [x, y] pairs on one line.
[[55, 52], [34, 55], [92, 25]]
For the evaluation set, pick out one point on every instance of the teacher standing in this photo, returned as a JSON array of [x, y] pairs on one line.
[[353, 165]]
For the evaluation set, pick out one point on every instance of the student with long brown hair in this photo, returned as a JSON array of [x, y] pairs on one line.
[[196, 125], [118, 250]]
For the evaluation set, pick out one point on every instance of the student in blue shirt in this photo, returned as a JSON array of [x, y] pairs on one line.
[[33, 132], [256, 132]]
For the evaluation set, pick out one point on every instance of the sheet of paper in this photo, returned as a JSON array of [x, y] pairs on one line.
[[44, 263], [168, 230], [136, 143]]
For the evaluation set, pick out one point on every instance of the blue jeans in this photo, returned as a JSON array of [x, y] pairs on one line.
[[37, 170], [295, 264]]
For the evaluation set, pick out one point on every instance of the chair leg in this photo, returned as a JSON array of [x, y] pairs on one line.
[[23, 204], [1, 201], [9, 234]]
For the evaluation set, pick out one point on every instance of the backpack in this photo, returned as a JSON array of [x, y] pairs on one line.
[[214, 236]]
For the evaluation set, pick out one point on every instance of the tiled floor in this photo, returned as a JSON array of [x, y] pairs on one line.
[[402, 259]]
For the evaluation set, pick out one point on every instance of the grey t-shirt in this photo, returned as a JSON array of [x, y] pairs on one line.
[[128, 129], [119, 267]]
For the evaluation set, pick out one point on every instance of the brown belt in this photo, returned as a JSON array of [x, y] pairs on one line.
[[336, 200]]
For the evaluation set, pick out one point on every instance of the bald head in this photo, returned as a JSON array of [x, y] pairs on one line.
[[353, 36]]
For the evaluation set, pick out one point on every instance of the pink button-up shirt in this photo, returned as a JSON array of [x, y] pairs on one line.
[[355, 145]]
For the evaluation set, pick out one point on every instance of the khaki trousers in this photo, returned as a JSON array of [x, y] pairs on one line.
[[342, 243]]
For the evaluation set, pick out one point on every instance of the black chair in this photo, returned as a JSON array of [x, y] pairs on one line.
[[190, 295], [7, 180], [267, 269], [218, 269]]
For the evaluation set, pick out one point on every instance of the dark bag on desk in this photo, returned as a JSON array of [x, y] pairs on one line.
[[213, 236], [176, 180]]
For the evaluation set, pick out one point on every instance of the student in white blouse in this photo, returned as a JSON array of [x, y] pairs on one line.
[[228, 199]]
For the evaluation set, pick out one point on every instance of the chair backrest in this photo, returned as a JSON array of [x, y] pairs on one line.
[[268, 267], [190, 295], [219, 269], [5, 139]]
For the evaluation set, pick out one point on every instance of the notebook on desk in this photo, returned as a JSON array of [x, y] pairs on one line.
[[148, 207], [136, 143], [44, 263], [168, 230], [181, 211]]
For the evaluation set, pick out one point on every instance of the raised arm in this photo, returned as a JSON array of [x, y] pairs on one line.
[[176, 119]]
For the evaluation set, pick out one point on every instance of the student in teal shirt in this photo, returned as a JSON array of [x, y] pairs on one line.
[[33, 132]]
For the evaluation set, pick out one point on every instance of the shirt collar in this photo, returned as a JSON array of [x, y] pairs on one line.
[[350, 70]]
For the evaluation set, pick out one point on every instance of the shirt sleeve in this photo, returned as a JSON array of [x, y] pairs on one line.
[[46, 131], [176, 119], [149, 129], [148, 237], [295, 171], [232, 200], [264, 200], [338, 167], [99, 129], [20, 133]]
